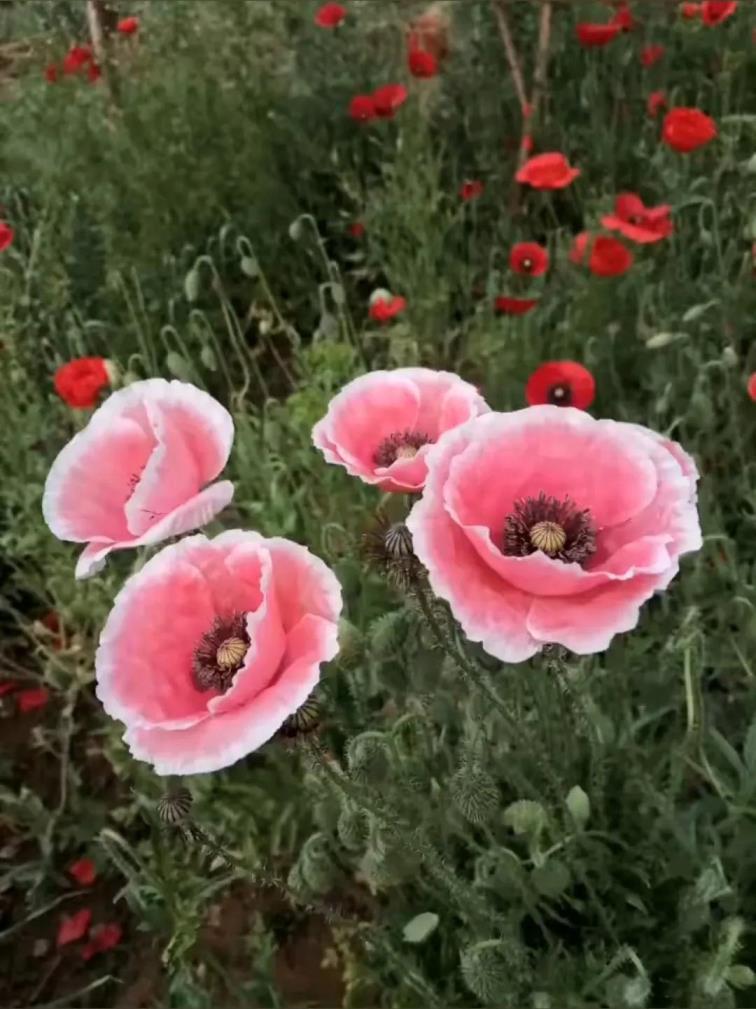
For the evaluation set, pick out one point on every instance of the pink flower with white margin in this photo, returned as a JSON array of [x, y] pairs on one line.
[[135, 474], [213, 644], [381, 426], [547, 526]]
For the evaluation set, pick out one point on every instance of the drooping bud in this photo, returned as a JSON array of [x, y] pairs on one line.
[[368, 759], [474, 793]]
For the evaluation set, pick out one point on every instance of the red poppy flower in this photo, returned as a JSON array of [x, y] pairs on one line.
[[6, 236], [102, 938], [83, 871], [80, 382], [330, 15], [387, 99], [51, 622], [356, 229], [714, 12], [547, 171], [607, 257], [362, 108], [752, 386], [514, 306], [656, 101], [637, 222], [430, 31], [7, 687], [529, 258], [690, 11], [471, 189], [421, 63], [527, 143], [73, 928], [686, 129], [76, 59], [128, 26], [651, 54], [624, 18], [30, 700], [384, 309], [94, 73], [561, 383], [590, 36], [51, 73]]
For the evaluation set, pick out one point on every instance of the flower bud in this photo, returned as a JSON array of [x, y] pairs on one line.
[[474, 793], [316, 865], [367, 758]]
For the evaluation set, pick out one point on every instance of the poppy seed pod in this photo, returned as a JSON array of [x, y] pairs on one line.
[[317, 867], [474, 793], [367, 757], [493, 969]]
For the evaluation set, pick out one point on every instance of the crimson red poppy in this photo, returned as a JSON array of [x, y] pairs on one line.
[[128, 26], [714, 12], [690, 11], [752, 386], [547, 171], [529, 258], [561, 383], [505, 305], [7, 235], [471, 189], [73, 927], [384, 309], [102, 938], [422, 63], [80, 382], [606, 256], [51, 73], [638, 222], [30, 700], [356, 229], [527, 144], [388, 98], [83, 870], [330, 15], [94, 72], [76, 59], [7, 686], [656, 101], [685, 129], [362, 108], [624, 18], [651, 55], [590, 36]]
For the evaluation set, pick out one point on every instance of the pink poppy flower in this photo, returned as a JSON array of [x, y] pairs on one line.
[[471, 189], [32, 699], [388, 98], [651, 55], [7, 235], [547, 171], [386, 307], [330, 15], [656, 101], [213, 644], [637, 222], [73, 927], [381, 426], [564, 543], [137, 473]]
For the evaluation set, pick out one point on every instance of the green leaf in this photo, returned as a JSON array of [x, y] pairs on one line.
[[420, 927], [178, 366], [749, 749], [552, 878], [525, 817], [579, 806]]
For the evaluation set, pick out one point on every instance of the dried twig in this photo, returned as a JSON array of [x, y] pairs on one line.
[[542, 57], [513, 59]]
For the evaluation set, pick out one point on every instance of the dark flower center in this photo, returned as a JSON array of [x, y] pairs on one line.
[[560, 395], [635, 219], [220, 653], [400, 445], [557, 528]]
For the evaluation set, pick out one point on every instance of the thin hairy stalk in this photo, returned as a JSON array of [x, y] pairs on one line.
[[510, 51]]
